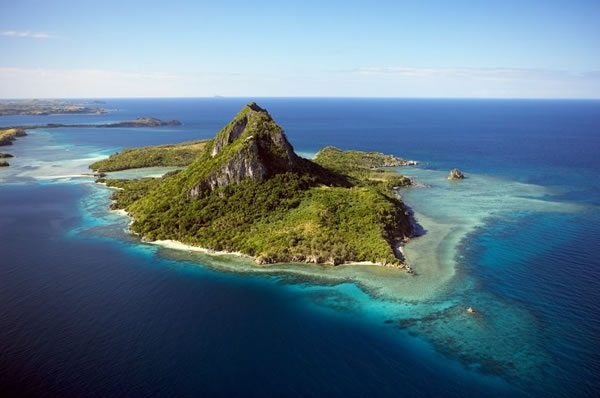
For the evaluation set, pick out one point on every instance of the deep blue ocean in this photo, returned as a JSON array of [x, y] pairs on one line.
[[88, 310]]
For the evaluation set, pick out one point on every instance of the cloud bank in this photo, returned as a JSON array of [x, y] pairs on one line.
[[26, 33]]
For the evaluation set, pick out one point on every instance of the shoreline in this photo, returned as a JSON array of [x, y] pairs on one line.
[[178, 245], [434, 255]]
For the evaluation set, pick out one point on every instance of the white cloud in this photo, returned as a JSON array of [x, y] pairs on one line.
[[26, 33]]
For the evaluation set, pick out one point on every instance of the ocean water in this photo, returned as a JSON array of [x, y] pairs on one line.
[[89, 310]]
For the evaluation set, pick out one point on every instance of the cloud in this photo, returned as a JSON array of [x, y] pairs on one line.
[[26, 33]]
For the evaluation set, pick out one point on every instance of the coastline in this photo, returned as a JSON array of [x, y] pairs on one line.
[[177, 245], [375, 279], [433, 253]]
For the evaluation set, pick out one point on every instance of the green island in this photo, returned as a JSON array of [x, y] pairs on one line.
[[38, 107], [247, 192]]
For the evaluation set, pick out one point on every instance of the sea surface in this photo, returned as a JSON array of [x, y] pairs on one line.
[[89, 310]]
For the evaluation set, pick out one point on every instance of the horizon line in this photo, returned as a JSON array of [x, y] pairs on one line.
[[307, 97]]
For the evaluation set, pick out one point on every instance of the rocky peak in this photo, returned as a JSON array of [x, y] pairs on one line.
[[237, 127], [251, 146]]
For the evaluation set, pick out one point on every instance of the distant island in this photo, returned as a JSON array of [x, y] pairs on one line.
[[246, 191], [38, 107], [9, 134], [139, 122]]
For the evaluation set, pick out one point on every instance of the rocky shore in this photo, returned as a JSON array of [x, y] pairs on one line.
[[9, 134]]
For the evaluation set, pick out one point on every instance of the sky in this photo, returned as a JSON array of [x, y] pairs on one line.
[[289, 48]]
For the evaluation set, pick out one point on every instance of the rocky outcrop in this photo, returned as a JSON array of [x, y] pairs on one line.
[[4, 164], [251, 146], [229, 135], [243, 164], [5, 155], [7, 136], [456, 174]]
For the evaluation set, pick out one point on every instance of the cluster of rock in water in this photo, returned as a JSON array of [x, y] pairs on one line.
[[456, 174]]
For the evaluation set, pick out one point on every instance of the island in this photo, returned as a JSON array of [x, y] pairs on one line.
[[9, 134], [139, 122], [37, 107], [248, 192]]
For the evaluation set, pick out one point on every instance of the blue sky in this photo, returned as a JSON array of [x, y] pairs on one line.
[[521, 49]]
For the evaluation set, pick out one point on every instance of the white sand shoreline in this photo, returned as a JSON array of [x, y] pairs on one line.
[[177, 245]]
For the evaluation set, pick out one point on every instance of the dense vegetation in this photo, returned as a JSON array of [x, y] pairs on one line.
[[249, 192], [335, 158], [364, 167], [151, 156]]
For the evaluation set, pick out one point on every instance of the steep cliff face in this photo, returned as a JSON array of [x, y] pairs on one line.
[[251, 146]]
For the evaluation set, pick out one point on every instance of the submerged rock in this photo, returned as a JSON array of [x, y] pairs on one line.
[[456, 174]]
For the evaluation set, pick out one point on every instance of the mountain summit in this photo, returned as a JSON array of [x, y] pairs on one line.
[[251, 146]]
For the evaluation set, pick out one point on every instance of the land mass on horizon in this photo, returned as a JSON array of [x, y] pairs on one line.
[[39, 107]]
